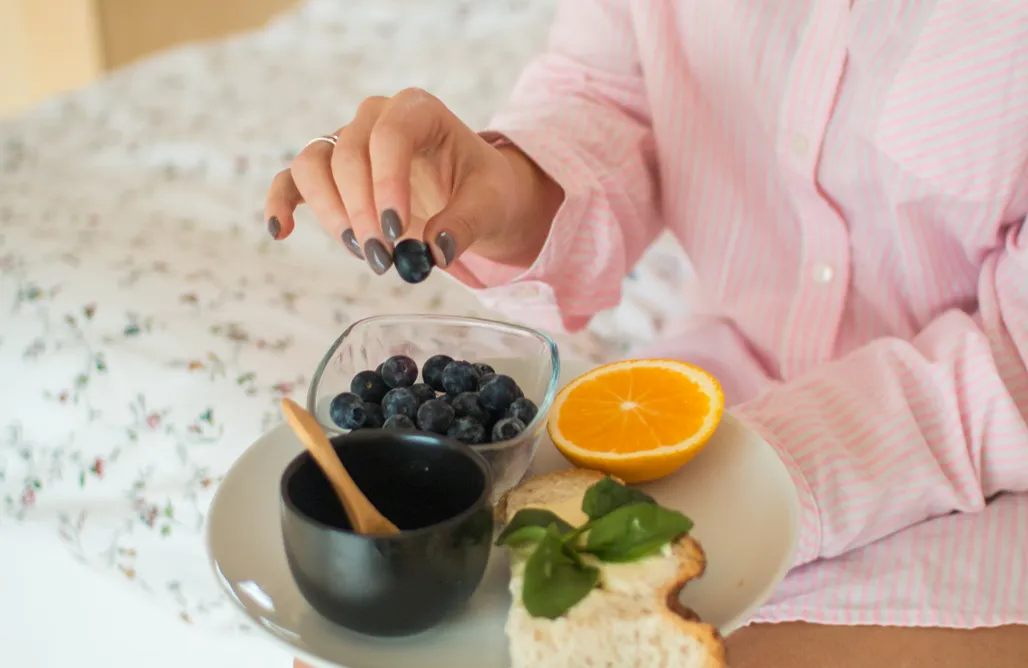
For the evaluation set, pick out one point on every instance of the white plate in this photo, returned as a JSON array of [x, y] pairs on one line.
[[737, 492]]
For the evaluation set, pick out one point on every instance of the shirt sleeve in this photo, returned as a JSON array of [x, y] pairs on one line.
[[580, 112], [902, 431]]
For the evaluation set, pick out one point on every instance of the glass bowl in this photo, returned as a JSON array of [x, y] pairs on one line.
[[526, 355]]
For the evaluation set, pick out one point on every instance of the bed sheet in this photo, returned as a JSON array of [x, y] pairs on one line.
[[148, 326]]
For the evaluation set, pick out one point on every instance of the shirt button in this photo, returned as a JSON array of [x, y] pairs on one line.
[[823, 273], [800, 145]]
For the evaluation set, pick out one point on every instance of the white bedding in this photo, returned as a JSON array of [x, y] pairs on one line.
[[148, 326]]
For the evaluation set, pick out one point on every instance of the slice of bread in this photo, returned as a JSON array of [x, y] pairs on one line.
[[632, 620]]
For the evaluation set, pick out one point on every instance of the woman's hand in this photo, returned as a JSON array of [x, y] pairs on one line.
[[408, 167]]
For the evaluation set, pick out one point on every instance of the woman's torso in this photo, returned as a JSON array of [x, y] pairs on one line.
[[837, 173]]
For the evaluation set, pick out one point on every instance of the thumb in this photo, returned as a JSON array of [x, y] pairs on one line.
[[462, 221]]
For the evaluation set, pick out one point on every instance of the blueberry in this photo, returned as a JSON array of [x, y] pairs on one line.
[[498, 394], [369, 386], [435, 416], [347, 410], [423, 392], [460, 377], [413, 260], [506, 429], [522, 409], [400, 401], [399, 371], [448, 398], [483, 369], [482, 380], [378, 369], [375, 416], [467, 430], [468, 405], [432, 371], [398, 422]]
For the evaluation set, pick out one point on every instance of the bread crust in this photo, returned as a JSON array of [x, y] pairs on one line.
[[693, 564]]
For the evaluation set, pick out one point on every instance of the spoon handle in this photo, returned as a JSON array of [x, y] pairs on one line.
[[364, 517]]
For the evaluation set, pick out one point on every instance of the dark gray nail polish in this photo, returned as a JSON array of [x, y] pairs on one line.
[[351, 243], [274, 227], [448, 246], [392, 227], [379, 258]]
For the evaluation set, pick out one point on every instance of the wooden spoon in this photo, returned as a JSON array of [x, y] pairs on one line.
[[364, 517]]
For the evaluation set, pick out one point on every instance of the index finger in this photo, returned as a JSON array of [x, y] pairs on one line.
[[413, 121]]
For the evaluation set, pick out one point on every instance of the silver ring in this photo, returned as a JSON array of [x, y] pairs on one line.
[[331, 139]]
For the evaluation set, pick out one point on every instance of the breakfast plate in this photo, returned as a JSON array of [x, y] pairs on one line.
[[737, 491]]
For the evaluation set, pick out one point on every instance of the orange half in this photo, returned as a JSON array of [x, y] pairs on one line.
[[638, 420]]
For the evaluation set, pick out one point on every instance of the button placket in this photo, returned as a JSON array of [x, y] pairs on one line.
[[812, 85], [820, 295], [823, 278]]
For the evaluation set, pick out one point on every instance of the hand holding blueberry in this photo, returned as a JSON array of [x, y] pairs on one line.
[[407, 171]]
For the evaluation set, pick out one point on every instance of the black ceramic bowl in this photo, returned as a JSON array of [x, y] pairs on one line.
[[434, 489]]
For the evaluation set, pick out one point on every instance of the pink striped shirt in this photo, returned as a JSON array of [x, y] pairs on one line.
[[850, 182]]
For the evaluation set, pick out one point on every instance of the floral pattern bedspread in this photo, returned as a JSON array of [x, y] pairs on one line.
[[148, 326]]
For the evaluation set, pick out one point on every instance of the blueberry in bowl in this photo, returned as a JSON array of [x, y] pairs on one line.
[[369, 386], [433, 368], [435, 416], [433, 371], [399, 371], [348, 411], [399, 401], [398, 422], [459, 377]]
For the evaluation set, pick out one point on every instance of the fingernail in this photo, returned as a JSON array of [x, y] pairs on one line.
[[274, 227], [351, 243], [448, 247], [379, 258], [392, 228]]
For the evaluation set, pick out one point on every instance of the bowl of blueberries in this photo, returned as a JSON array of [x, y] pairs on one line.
[[484, 383]]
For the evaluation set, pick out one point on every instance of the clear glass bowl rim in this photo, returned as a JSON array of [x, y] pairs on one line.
[[460, 321]]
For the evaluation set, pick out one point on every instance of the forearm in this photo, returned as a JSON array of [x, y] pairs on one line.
[[896, 433]]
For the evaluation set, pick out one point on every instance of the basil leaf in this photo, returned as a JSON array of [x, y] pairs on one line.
[[530, 517], [523, 536], [636, 531], [608, 495], [640, 550], [553, 581], [572, 553]]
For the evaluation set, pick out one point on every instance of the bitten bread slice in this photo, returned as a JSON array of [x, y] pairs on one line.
[[632, 620]]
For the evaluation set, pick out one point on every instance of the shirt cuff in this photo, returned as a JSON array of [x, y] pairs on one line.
[[808, 547], [533, 294]]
